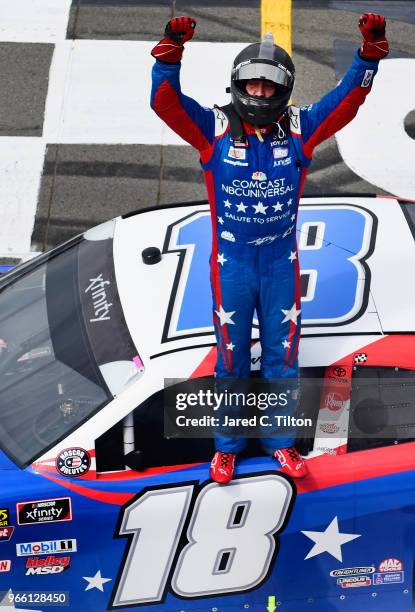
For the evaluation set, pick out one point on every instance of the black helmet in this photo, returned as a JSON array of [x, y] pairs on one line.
[[262, 61]]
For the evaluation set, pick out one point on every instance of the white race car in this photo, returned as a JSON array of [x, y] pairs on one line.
[[93, 491]]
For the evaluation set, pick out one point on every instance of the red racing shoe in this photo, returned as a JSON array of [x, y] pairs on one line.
[[291, 462], [222, 466]]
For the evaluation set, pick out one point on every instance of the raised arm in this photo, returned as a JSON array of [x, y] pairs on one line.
[[337, 108], [194, 123]]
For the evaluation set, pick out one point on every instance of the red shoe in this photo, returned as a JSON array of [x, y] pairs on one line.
[[221, 468], [291, 462]]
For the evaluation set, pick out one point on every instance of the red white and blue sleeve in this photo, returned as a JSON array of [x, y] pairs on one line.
[[194, 123], [338, 107]]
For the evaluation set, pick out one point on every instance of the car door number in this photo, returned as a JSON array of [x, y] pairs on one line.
[[227, 526]]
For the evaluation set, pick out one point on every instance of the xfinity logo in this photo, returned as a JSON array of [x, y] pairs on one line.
[[99, 298], [37, 513], [44, 511], [25, 549]]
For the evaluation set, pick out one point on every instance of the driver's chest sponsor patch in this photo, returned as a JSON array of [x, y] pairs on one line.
[[237, 152], [280, 152]]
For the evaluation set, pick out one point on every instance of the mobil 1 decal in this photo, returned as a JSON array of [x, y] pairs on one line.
[[198, 539], [334, 242]]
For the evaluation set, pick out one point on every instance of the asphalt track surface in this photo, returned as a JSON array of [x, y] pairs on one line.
[[82, 185]]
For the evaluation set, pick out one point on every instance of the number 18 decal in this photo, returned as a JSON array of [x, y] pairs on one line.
[[227, 526], [334, 243]]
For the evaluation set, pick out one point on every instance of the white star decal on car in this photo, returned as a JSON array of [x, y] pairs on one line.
[[290, 201], [241, 207], [290, 315], [225, 317], [286, 344], [330, 541], [221, 259], [277, 206], [227, 203], [292, 256], [96, 582], [230, 346], [260, 208], [292, 217], [220, 220]]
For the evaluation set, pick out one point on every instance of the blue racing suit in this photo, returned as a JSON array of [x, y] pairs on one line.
[[254, 192]]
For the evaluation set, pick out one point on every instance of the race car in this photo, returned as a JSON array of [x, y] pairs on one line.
[[100, 510]]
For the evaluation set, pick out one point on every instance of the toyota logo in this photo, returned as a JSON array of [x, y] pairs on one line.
[[338, 371]]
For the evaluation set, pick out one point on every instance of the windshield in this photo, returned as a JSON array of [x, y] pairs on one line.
[[60, 321]]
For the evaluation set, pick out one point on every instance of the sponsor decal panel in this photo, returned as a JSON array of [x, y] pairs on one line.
[[4, 517], [24, 549], [46, 565], [6, 533], [73, 462], [388, 578], [44, 511], [390, 565], [5, 565]]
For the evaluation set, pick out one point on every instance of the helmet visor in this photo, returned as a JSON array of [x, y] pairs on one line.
[[263, 69]]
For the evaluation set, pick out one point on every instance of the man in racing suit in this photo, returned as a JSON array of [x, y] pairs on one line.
[[255, 154]]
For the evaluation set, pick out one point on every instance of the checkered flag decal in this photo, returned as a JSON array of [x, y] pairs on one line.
[[360, 358]]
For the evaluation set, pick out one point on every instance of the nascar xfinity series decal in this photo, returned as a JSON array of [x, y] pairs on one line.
[[44, 511], [330, 237]]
